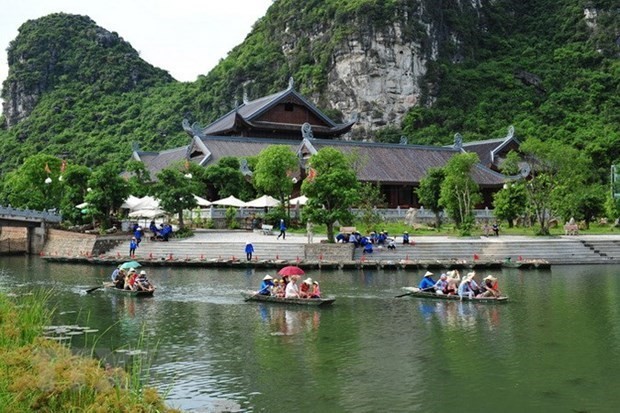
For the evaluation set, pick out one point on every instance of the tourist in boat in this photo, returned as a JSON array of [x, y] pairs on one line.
[[119, 280], [142, 283], [304, 289], [453, 282], [473, 284], [464, 288], [490, 287], [130, 279], [249, 249], [316, 290], [427, 283], [115, 273], [292, 290], [266, 286], [405, 238], [278, 291], [441, 286]]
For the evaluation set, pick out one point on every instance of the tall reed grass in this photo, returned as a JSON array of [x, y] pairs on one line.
[[41, 375]]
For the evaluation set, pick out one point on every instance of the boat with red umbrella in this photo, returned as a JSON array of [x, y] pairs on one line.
[[290, 270]]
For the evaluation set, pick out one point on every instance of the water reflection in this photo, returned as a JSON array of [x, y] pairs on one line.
[[556, 340]]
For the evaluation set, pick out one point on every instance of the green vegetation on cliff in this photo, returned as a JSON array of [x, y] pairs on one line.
[[550, 67]]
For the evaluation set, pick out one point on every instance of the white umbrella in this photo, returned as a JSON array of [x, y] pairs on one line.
[[147, 202], [230, 201], [300, 200], [202, 202], [147, 213], [130, 202], [265, 201]]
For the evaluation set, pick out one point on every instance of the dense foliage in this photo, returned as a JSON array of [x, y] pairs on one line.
[[550, 67]]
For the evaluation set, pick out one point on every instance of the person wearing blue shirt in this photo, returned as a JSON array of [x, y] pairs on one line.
[[406, 238], [282, 230], [266, 285], [249, 249], [133, 244], [427, 282], [368, 248], [138, 235]]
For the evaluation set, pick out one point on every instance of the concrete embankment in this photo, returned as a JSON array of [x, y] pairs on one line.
[[226, 248]]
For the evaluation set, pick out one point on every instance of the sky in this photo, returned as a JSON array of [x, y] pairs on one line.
[[185, 37]]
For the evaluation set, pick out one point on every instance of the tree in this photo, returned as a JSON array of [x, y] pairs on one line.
[[108, 191], [140, 179], [332, 188], [175, 191], [557, 170], [74, 191], [226, 178], [510, 202], [273, 171], [29, 186], [429, 192], [370, 198], [459, 192]]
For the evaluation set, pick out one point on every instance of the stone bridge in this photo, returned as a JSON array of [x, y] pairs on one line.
[[34, 223]]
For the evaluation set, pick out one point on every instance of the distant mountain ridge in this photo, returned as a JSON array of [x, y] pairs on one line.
[[423, 69]]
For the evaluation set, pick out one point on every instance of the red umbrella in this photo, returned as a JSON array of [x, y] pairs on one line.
[[291, 270]]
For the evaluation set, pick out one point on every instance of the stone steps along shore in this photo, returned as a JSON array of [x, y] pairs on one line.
[[428, 254]]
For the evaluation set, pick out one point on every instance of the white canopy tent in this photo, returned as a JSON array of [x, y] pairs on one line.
[[300, 200], [202, 202], [265, 201], [230, 201], [147, 213], [147, 202], [131, 202]]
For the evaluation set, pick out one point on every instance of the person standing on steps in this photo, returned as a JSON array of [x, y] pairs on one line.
[[132, 247], [282, 230], [249, 249]]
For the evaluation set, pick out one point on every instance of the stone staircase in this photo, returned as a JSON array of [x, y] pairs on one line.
[[560, 251], [186, 249], [556, 251]]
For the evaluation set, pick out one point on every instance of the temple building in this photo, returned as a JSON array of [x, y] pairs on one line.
[[287, 118]]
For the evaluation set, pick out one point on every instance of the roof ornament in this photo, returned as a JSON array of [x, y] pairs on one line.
[[458, 141], [306, 131], [135, 147], [291, 83], [511, 132], [244, 167], [194, 130], [404, 140], [245, 96]]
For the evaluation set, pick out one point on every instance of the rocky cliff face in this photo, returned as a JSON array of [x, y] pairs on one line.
[[377, 78]]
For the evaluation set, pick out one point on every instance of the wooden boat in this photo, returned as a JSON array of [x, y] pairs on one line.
[[415, 292], [318, 302], [128, 293]]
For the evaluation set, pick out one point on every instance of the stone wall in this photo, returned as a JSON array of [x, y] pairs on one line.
[[13, 240], [67, 243], [329, 252]]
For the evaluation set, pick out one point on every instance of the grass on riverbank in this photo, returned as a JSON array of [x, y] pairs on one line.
[[41, 375], [397, 229]]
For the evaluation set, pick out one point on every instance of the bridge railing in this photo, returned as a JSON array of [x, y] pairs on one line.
[[47, 216]]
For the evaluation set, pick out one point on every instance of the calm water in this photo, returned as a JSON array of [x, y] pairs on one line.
[[555, 347]]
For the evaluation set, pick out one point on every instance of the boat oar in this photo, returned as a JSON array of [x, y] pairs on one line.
[[90, 290], [418, 291]]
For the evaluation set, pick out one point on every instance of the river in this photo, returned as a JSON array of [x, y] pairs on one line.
[[554, 347]]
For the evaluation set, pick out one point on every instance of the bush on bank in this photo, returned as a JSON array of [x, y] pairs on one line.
[[41, 375]]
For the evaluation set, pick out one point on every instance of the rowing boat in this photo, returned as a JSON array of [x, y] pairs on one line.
[[252, 296], [127, 293], [416, 292]]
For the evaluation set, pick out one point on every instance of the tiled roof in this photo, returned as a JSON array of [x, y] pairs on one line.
[[406, 164]]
